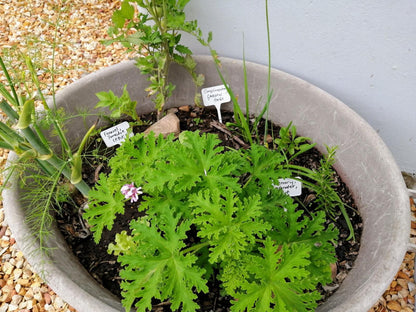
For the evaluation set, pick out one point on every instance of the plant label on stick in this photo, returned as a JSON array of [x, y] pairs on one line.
[[115, 135], [290, 186], [216, 96]]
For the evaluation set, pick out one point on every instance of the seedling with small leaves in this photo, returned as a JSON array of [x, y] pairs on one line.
[[154, 32]]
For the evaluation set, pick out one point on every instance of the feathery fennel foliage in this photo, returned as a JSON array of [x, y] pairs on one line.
[[269, 254], [43, 195]]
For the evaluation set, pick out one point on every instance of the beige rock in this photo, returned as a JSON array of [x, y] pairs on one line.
[[27, 273], [18, 287], [47, 298], [16, 299], [394, 305], [12, 261], [19, 254], [32, 304], [29, 304], [172, 110], [22, 291], [4, 242], [4, 307], [29, 294], [19, 263], [403, 293], [184, 108], [23, 306], [38, 297], [6, 256], [167, 125], [17, 273], [13, 307], [3, 250], [403, 275], [402, 282], [7, 268], [58, 303], [23, 281], [3, 228], [7, 294], [334, 270]]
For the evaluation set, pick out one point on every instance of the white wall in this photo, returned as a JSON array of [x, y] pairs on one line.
[[362, 52]]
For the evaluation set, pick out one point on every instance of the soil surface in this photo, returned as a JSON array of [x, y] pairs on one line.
[[104, 267]]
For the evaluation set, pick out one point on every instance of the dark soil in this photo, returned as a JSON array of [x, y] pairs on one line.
[[104, 267]]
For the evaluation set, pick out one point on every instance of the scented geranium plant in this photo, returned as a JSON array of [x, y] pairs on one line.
[[210, 212]]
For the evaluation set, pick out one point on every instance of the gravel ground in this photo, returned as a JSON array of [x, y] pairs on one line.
[[30, 26]]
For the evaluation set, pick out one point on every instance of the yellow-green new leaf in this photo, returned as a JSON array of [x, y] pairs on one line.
[[25, 118], [76, 169]]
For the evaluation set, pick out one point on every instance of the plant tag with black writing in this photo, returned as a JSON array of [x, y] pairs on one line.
[[115, 135], [290, 186], [216, 96]]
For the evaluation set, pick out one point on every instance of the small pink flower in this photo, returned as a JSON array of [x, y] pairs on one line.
[[132, 192]]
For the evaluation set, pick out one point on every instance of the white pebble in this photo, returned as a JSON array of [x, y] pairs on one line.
[[18, 287], [13, 307], [3, 250], [4, 307], [58, 303], [16, 299], [23, 305]]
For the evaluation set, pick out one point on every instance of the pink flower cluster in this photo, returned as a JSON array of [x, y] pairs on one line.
[[131, 192]]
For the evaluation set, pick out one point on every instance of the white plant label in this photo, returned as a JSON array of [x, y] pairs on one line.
[[215, 96], [290, 186], [115, 135]]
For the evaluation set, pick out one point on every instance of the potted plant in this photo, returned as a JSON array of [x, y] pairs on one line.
[[315, 114]]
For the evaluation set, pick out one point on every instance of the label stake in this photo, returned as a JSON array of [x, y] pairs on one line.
[[216, 96]]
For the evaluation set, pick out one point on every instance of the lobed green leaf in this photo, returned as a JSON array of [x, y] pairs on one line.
[[158, 269]]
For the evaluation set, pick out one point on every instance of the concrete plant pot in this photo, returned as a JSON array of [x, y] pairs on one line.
[[363, 161]]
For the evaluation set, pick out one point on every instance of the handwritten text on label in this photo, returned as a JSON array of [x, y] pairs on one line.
[[290, 186], [215, 96], [115, 135]]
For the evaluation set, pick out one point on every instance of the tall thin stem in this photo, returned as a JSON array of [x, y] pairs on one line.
[[269, 70]]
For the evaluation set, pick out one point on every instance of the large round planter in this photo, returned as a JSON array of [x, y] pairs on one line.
[[363, 161]]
